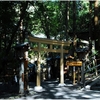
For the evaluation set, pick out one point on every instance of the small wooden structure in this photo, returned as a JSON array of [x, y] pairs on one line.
[[75, 64]]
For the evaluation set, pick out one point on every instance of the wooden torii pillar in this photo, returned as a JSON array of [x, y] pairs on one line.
[[38, 86], [61, 68]]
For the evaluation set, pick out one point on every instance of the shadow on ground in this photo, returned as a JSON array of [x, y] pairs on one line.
[[50, 90], [6, 90]]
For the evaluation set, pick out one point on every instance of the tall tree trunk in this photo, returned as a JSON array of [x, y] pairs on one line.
[[0, 42], [45, 22], [60, 19], [4, 27], [21, 32], [96, 18], [67, 20], [96, 27], [90, 19], [64, 19], [90, 25], [95, 35], [16, 28], [74, 18]]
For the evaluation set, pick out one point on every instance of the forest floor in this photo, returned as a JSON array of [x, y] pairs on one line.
[[50, 90]]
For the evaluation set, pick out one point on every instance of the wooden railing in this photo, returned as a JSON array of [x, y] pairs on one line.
[[91, 74]]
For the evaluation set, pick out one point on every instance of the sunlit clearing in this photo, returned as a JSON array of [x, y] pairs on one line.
[[96, 95], [59, 94], [74, 94], [52, 91], [59, 89], [69, 84], [51, 85], [87, 96], [81, 93], [66, 96]]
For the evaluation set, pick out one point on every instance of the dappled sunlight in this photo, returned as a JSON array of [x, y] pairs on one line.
[[87, 96], [51, 90], [69, 84], [49, 50], [51, 85], [59, 89], [80, 93], [96, 95], [59, 93], [66, 96], [74, 95]]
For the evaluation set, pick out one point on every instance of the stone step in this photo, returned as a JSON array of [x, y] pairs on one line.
[[95, 88], [93, 84]]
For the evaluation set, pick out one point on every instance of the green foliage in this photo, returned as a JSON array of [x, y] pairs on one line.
[[47, 17]]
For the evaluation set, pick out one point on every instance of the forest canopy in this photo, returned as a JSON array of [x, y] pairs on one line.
[[60, 20]]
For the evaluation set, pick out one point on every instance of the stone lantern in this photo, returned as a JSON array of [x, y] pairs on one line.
[[22, 56], [82, 54]]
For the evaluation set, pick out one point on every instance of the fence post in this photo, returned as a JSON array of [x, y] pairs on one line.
[[21, 78], [26, 85], [73, 74], [82, 72]]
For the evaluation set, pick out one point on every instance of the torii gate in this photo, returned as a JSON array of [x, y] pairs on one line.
[[62, 44]]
